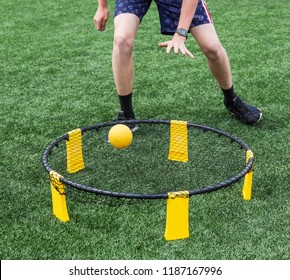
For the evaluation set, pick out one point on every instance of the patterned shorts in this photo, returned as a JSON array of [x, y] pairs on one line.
[[169, 12]]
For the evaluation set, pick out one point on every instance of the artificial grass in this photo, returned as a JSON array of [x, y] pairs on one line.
[[56, 75]]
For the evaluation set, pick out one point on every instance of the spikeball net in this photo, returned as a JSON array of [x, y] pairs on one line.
[[167, 159]]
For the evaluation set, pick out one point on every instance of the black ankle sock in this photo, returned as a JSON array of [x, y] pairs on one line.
[[229, 95], [126, 106]]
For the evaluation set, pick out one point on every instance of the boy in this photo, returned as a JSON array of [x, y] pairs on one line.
[[177, 18]]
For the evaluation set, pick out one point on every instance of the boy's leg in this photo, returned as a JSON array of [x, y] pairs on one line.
[[218, 62], [128, 15], [217, 58], [126, 26]]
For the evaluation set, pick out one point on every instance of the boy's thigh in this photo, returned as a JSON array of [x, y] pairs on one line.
[[169, 13], [136, 7]]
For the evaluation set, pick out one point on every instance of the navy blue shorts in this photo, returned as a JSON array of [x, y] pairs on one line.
[[169, 12]]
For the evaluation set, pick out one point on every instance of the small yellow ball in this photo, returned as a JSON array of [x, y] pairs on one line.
[[120, 136]]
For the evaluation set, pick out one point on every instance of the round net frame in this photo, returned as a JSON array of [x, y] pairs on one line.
[[101, 174]]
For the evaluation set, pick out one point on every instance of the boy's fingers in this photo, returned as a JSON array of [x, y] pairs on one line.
[[163, 44]]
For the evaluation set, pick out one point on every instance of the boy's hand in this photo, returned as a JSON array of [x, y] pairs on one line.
[[101, 18], [177, 44]]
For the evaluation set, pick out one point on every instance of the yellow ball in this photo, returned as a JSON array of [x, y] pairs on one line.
[[120, 136]]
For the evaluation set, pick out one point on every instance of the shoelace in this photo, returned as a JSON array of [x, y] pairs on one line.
[[241, 107]]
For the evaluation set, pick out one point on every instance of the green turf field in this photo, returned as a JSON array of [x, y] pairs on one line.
[[56, 76]]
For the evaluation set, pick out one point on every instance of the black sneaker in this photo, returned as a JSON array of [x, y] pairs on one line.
[[121, 117], [245, 112]]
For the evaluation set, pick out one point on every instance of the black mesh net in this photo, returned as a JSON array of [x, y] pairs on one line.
[[143, 167]]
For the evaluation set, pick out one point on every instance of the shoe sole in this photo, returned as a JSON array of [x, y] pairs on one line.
[[261, 114], [135, 128]]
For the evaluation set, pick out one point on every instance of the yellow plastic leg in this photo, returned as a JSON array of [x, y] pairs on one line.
[[177, 226], [74, 151], [59, 207], [178, 149], [247, 188]]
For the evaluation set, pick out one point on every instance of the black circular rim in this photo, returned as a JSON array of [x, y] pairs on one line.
[[201, 190]]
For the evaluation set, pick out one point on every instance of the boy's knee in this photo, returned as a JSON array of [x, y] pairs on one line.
[[213, 51], [123, 44]]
